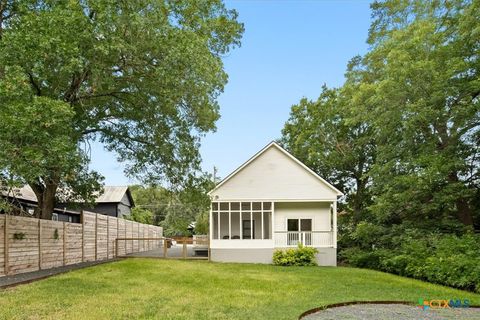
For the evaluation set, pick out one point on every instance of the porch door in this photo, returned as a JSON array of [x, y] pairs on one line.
[[299, 231], [247, 232]]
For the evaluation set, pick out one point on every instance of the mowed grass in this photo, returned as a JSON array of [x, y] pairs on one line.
[[172, 289]]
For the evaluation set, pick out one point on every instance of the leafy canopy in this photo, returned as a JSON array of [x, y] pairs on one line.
[[141, 77], [401, 139]]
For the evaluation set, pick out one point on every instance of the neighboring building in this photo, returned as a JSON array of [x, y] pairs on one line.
[[272, 201], [115, 201], [25, 199]]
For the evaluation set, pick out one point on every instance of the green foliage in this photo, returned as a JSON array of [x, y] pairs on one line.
[[301, 256], [329, 139], [19, 235], [176, 209], [445, 259], [202, 223], [55, 234], [401, 139], [141, 215], [140, 77]]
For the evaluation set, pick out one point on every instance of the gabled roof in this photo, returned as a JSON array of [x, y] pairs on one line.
[[114, 194], [111, 194], [288, 154], [24, 193]]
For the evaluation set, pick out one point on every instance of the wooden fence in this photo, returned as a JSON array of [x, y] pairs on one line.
[[28, 244]]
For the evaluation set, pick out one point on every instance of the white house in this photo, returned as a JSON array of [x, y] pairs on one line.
[[272, 201]]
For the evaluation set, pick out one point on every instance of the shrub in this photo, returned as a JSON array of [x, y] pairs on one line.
[[302, 256], [439, 258]]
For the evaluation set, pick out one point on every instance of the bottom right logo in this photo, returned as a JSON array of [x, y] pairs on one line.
[[443, 303]]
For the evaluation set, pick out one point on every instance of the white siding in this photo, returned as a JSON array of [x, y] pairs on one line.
[[319, 212], [274, 176]]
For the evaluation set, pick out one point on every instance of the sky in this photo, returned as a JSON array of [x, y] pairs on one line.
[[289, 50]]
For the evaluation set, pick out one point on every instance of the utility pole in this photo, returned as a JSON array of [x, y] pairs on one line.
[[215, 170]]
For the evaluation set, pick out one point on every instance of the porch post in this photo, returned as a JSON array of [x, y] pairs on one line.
[[334, 224], [251, 221], [241, 224], [273, 222], [218, 221], [210, 218], [262, 220]]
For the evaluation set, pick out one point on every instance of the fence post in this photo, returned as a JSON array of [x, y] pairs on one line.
[[108, 237], [6, 244], [116, 242], [164, 247], [96, 227], [64, 244], [39, 244], [82, 216]]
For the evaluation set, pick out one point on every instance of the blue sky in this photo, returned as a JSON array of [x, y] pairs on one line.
[[289, 50]]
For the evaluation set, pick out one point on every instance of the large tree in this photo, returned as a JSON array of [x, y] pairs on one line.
[[425, 60], [405, 125], [335, 141], [142, 77]]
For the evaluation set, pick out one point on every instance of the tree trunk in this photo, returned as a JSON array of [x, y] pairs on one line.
[[464, 212], [46, 199], [358, 201]]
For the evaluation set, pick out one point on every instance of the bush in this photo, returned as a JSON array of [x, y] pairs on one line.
[[439, 258], [302, 256]]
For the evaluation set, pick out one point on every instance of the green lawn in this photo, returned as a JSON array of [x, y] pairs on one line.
[[171, 289]]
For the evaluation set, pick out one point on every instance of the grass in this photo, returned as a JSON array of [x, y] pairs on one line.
[[172, 289]]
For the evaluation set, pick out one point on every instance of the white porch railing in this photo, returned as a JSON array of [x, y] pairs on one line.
[[307, 238]]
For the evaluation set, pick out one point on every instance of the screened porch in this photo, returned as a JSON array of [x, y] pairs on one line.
[[241, 220]]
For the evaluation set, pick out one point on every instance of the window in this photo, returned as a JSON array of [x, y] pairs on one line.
[[299, 231], [305, 224], [296, 225], [292, 225]]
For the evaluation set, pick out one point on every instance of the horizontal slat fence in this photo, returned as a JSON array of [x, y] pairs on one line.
[[28, 244]]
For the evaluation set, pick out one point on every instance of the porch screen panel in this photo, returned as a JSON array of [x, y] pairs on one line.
[[215, 224], [224, 224], [235, 224], [257, 228], [241, 220], [267, 224]]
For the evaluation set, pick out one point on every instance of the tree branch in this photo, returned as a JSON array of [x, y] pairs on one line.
[[108, 94], [34, 84]]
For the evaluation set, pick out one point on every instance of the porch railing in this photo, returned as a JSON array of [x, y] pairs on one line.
[[307, 238]]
